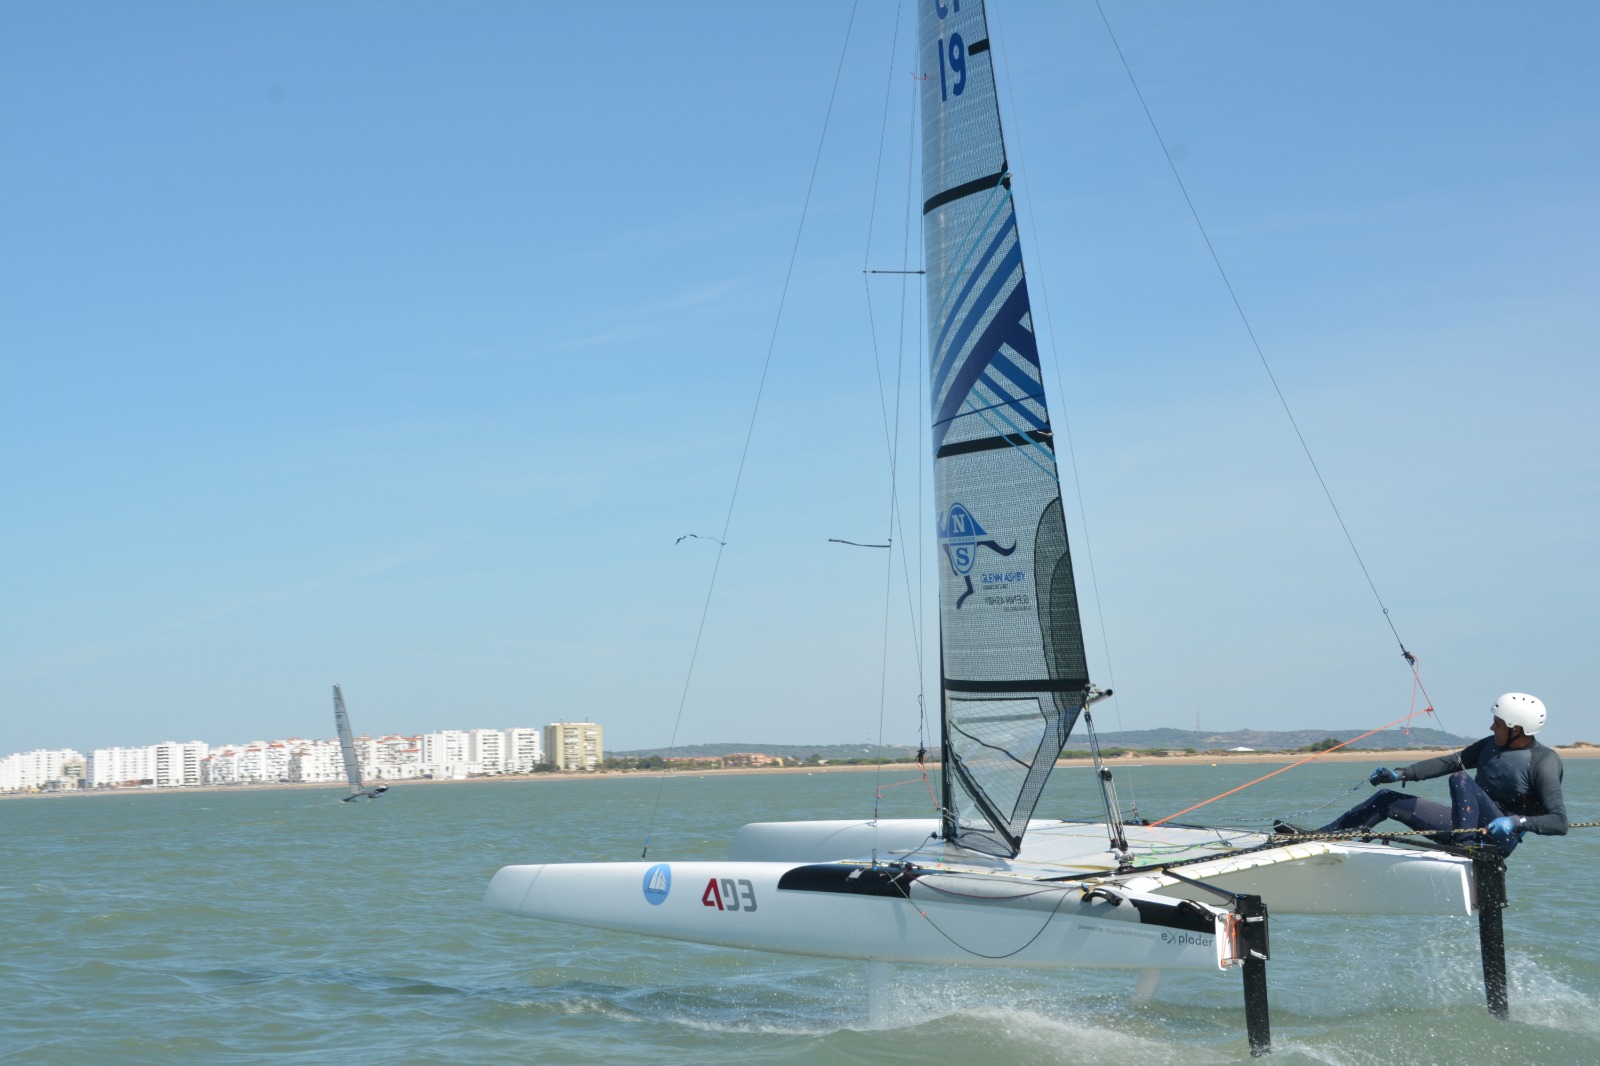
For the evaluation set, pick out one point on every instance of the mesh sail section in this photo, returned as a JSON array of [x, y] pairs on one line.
[[1014, 672]]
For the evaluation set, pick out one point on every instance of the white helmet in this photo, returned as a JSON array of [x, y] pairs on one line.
[[1519, 708]]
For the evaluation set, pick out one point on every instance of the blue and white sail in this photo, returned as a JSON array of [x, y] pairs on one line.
[[967, 888], [1014, 674]]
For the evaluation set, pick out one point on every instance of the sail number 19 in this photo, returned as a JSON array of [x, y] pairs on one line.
[[952, 55], [957, 49]]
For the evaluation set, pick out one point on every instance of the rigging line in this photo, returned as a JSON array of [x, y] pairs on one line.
[[854, 544], [891, 438], [913, 593], [755, 410], [1309, 758], [1345, 834], [906, 894], [883, 138], [892, 435], [1260, 354], [896, 512], [1066, 421], [1282, 839], [925, 442], [905, 259], [894, 461]]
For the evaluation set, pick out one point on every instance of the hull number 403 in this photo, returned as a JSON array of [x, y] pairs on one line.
[[726, 894]]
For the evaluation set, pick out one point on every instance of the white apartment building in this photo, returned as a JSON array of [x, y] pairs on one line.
[[392, 758], [445, 753], [256, 762], [178, 764], [574, 745], [486, 751], [46, 768], [316, 760], [109, 767], [220, 767], [524, 750], [253, 762], [395, 757]]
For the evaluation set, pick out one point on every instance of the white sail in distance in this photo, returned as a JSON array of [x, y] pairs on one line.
[[347, 744]]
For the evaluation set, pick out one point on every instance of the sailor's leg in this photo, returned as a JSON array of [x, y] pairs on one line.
[[1387, 803], [1471, 808], [1366, 814], [1426, 815]]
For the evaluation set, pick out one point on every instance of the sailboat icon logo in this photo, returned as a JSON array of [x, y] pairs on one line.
[[657, 883], [961, 536]]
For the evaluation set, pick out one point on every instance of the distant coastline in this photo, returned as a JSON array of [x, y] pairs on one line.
[[1578, 751]]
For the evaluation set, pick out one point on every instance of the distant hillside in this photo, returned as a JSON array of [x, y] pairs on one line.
[[1271, 740], [787, 751], [1162, 739]]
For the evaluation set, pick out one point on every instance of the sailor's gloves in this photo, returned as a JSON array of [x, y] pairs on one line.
[[1506, 829], [1385, 776]]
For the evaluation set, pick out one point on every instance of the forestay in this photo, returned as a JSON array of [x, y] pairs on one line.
[[1014, 675]]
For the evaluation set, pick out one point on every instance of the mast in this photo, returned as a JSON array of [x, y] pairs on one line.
[[1013, 673], [347, 743]]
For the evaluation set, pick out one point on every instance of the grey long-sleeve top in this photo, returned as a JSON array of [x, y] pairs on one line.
[[1522, 781]]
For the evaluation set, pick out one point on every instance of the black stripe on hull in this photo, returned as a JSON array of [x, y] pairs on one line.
[[1180, 914], [894, 882], [891, 882]]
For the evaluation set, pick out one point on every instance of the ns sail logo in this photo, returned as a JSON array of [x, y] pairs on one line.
[[961, 535]]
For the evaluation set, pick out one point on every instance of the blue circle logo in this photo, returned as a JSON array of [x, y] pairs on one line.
[[657, 883]]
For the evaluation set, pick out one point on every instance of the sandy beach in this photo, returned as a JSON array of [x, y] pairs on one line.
[[1397, 756]]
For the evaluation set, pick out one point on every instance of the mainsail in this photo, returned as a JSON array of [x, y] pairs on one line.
[[347, 744], [1014, 674]]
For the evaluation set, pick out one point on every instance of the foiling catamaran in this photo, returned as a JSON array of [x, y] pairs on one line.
[[986, 883], [347, 751]]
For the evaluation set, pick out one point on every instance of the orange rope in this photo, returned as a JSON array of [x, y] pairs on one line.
[[1291, 766], [912, 781]]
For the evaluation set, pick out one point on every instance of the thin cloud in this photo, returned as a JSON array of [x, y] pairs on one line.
[[85, 655]]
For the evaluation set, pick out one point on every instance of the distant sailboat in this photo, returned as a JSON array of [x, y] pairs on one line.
[[347, 749]]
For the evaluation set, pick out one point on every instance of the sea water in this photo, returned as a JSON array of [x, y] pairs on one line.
[[283, 926]]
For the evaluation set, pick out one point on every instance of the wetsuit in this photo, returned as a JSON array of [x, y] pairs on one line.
[[1524, 783]]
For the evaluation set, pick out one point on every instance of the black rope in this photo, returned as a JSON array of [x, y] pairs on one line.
[[906, 895], [1278, 840]]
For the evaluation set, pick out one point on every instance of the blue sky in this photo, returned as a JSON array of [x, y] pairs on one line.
[[396, 345]]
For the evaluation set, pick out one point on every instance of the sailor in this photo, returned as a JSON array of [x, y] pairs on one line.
[[1518, 786]]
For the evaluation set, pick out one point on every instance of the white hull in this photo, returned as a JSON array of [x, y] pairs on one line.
[[892, 892], [819, 909]]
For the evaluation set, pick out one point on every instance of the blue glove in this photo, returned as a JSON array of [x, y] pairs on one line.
[[1505, 830], [1384, 776]]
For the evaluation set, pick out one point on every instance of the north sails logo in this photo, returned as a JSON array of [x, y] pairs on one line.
[[657, 883], [961, 536]]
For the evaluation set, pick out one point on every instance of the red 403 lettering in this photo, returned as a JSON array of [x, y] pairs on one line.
[[726, 894]]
